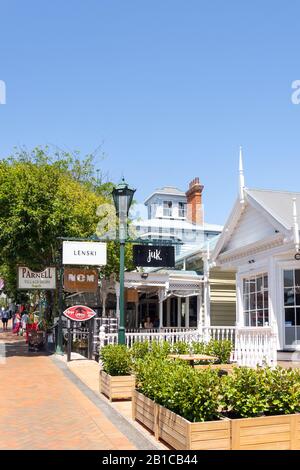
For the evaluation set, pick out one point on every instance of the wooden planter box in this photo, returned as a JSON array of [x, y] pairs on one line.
[[177, 431], [117, 387], [266, 433], [184, 435], [144, 411]]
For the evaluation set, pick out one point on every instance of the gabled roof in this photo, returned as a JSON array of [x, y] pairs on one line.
[[275, 206], [278, 204]]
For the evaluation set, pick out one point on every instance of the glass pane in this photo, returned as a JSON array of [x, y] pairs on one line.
[[297, 277], [259, 284], [247, 319], [288, 278], [289, 316], [290, 334], [246, 302], [252, 285], [266, 282], [266, 316], [297, 292], [259, 300], [298, 334], [252, 301], [266, 300], [260, 318], [289, 298], [252, 318], [298, 316], [246, 286]]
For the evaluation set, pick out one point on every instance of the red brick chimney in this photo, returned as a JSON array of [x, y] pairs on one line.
[[194, 202]]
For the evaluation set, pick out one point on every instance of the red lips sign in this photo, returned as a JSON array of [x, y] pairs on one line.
[[79, 313]]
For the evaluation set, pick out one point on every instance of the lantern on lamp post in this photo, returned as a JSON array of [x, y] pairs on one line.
[[122, 196]]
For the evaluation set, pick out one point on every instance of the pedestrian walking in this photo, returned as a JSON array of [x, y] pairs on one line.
[[4, 318], [24, 321]]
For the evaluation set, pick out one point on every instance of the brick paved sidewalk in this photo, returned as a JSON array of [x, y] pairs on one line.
[[41, 408]]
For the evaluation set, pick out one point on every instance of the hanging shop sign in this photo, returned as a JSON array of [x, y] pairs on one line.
[[154, 256], [84, 253], [131, 295], [79, 313], [80, 280], [28, 279]]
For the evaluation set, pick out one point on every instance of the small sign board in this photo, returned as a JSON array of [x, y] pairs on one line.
[[84, 253], [154, 256], [80, 280], [28, 279], [79, 313]]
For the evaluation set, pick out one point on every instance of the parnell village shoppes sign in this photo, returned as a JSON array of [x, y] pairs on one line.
[[28, 279]]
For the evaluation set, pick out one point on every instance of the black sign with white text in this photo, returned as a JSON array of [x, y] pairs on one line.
[[154, 256]]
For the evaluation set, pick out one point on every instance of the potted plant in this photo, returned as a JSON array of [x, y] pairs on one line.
[[116, 381], [264, 407], [183, 409]]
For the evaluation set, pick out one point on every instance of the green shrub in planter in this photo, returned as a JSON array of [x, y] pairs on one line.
[[199, 348], [160, 349], [140, 350], [283, 390], [244, 393], [180, 348], [192, 394], [221, 349], [116, 359]]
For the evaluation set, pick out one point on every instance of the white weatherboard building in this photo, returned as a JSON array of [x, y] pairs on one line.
[[179, 216], [260, 242]]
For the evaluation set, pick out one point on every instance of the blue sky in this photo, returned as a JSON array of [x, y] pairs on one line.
[[168, 88]]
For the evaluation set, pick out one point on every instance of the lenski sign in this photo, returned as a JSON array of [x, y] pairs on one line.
[[84, 253], [154, 256]]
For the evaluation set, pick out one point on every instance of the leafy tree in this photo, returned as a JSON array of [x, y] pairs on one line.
[[44, 196]]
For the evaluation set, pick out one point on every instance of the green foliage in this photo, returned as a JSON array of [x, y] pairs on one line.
[[44, 196], [192, 394], [116, 359], [256, 392], [199, 348], [221, 349], [244, 393], [180, 348], [283, 390], [140, 350]]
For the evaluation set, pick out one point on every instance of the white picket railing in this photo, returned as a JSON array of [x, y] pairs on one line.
[[251, 346]]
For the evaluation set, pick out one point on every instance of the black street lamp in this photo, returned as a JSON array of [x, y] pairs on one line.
[[122, 196]]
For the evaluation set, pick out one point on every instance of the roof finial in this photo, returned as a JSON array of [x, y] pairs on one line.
[[242, 177], [296, 225]]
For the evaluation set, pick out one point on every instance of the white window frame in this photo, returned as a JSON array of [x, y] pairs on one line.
[[170, 209], [242, 275]]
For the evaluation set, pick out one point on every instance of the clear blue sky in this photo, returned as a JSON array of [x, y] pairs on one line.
[[169, 88]]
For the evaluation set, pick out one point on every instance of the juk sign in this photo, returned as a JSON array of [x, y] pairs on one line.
[[154, 256]]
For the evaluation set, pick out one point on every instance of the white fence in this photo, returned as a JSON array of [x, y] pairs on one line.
[[251, 346]]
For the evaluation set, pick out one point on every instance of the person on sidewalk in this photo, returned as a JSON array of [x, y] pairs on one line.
[[17, 323], [4, 318], [24, 321]]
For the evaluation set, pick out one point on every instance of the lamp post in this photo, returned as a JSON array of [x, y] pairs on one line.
[[122, 196]]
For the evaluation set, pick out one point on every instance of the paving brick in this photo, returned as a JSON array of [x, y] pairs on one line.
[[43, 409]]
